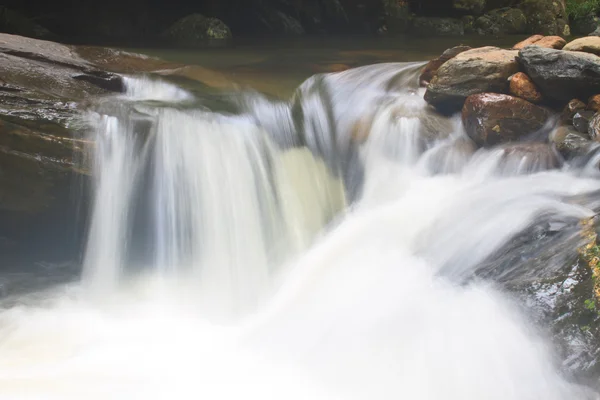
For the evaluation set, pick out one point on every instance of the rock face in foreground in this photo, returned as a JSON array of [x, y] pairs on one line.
[[562, 75], [486, 69], [491, 118], [198, 30]]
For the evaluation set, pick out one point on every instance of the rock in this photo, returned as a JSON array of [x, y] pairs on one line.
[[528, 157], [491, 118], [18, 24], [584, 25], [547, 17], [572, 108], [198, 30], [561, 75], [529, 41], [475, 7], [521, 86], [431, 26], [588, 44], [569, 142], [596, 32], [581, 120], [550, 42], [594, 103], [397, 16], [594, 127], [432, 66], [485, 69], [501, 22]]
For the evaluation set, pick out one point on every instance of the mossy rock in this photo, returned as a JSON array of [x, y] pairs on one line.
[[196, 30]]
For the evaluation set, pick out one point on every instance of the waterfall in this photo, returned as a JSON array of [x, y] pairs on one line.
[[349, 243]]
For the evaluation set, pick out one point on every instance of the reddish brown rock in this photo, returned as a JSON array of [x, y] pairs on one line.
[[594, 103], [530, 40], [432, 66], [491, 118], [572, 108], [551, 42], [521, 86]]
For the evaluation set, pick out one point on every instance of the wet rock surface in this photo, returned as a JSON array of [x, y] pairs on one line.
[[569, 142], [486, 69], [549, 42], [523, 87], [432, 66], [561, 75], [491, 118]]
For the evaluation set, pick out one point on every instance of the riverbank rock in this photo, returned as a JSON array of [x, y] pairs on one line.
[[432, 26], [16, 23], [485, 69], [475, 7], [504, 21], [432, 66], [561, 75], [491, 118], [550, 42], [198, 30], [589, 44], [397, 16], [547, 17], [523, 87]]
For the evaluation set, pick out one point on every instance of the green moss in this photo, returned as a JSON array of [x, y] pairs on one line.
[[582, 8]]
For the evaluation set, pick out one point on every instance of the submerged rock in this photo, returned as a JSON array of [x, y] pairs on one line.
[[486, 69], [491, 118], [198, 30], [430, 26], [589, 44], [562, 75], [432, 66], [501, 22], [523, 87], [569, 142]]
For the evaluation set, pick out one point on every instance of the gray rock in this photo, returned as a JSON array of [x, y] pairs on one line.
[[198, 30], [594, 127], [569, 142], [581, 120], [561, 75], [546, 17]]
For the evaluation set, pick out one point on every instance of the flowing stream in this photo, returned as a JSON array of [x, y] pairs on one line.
[[346, 244]]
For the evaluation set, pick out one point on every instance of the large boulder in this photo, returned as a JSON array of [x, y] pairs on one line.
[[491, 118], [523, 87], [547, 17], [431, 26], [485, 69], [589, 44], [432, 66], [198, 30], [501, 21], [562, 75]]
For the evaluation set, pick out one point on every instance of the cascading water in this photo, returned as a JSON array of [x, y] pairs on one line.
[[222, 260]]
